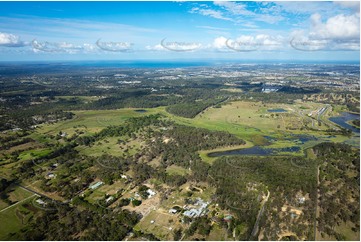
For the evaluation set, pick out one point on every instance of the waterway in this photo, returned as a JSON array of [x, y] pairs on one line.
[[344, 118], [255, 150], [277, 110]]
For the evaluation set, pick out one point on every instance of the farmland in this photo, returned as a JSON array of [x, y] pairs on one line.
[[191, 159]]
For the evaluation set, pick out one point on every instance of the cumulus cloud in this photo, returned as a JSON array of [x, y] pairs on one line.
[[157, 47], [10, 40], [180, 46], [114, 46], [61, 47], [339, 27], [220, 43], [339, 32], [176, 46], [255, 42]]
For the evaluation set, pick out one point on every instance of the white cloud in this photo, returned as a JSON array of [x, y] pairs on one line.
[[61, 47], [114, 46], [176, 46], [157, 47], [257, 42], [339, 27], [10, 40], [354, 5], [234, 8], [210, 12], [219, 43], [340, 32], [238, 13]]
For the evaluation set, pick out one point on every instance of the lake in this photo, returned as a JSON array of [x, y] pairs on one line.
[[255, 150], [277, 110], [344, 118]]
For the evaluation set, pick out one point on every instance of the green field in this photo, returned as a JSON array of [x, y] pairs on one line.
[[19, 194], [33, 154], [248, 120], [177, 170], [109, 144], [100, 192], [92, 121], [16, 218]]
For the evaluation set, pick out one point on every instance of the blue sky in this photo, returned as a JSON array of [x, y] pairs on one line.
[[180, 30]]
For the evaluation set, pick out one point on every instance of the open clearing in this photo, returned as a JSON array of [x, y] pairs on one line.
[[92, 120], [161, 224]]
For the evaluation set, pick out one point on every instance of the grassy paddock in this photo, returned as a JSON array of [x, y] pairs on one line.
[[163, 226], [92, 121], [177, 170], [16, 218]]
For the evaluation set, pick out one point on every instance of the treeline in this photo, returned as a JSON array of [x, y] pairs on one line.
[[191, 109]]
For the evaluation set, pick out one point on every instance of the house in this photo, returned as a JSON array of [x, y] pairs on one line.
[[301, 200], [124, 176], [151, 193], [109, 199], [41, 202], [51, 175], [172, 211], [228, 218], [96, 185]]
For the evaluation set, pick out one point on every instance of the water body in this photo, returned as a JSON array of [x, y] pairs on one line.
[[344, 118], [301, 138], [140, 111], [255, 150], [277, 110]]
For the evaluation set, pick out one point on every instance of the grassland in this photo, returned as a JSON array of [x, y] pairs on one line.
[[14, 219], [32, 154], [92, 121], [110, 144], [177, 170], [19, 194], [105, 190], [250, 121], [159, 223]]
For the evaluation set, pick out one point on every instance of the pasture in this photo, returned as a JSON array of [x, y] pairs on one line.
[[159, 223], [92, 121]]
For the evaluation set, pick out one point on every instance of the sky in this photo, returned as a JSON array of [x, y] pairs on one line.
[[313, 31]]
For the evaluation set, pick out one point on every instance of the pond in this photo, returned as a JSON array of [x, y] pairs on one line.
[[344, 118], [277, 110], [140, 110], [255, 150]]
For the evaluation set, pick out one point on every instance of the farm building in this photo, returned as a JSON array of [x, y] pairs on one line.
[[200, 209], [96, 185]]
